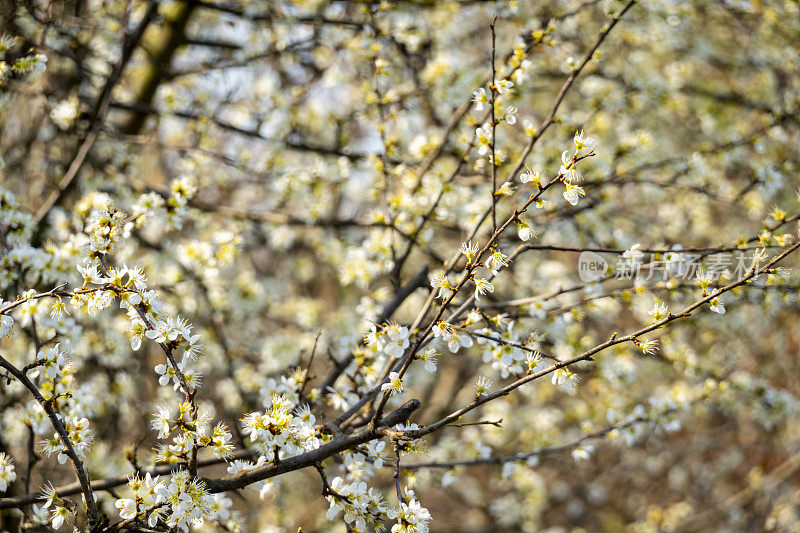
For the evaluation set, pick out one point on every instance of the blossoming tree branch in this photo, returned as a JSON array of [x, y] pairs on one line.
[[409, 266]]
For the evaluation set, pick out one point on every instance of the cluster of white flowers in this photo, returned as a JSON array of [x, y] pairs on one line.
[[55, 510], [181, 502], [194, 433], [454, 339], [21, 65], [20, 261], [143, 306], [569, 171], [80, 436], [146, 206], [518, 69], [171, 208], [412, 517], [282, 430], [18, 222], [7, 474], [177, 332], [53, 361], [483, 135], [287, 386], [503, 90], [360, 504], [23, 265], [104, 228], [331, 192], [147, 493], [380, 344], [361, 463], [504, 349], [186, 501], [361, 265], [394, 341], [565, 379], [167, 372]]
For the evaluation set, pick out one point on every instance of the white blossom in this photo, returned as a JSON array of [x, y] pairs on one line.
[[7, 474]]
